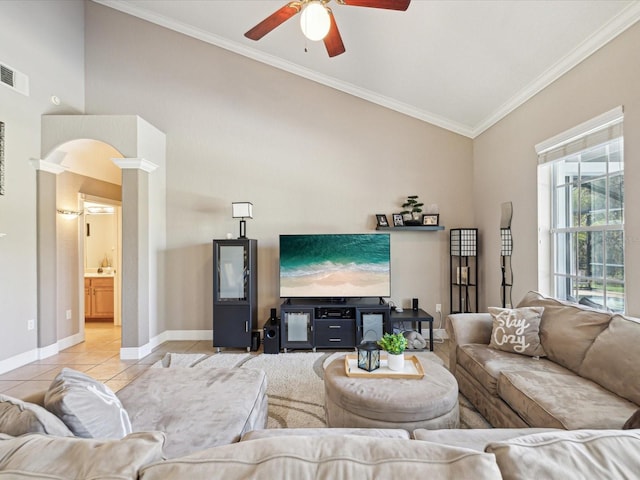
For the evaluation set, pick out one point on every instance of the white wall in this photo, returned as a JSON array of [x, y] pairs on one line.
[[44, 40], [505, 162], [311, 159]]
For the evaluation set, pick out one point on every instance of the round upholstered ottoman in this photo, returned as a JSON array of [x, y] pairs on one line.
[[430, 402]]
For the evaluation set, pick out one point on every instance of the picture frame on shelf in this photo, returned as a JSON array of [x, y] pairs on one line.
[[397, 220], [431, 220], [382, 220]]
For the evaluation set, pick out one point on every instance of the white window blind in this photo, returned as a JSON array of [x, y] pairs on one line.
[[596, 131]]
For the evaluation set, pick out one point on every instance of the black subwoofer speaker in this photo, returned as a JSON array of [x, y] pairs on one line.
[[271, 337]]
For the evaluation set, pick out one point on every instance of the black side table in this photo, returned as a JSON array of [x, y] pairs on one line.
[[416, 317]]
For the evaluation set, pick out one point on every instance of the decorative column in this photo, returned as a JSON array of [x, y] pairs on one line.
[[46, 218], [135, 256]]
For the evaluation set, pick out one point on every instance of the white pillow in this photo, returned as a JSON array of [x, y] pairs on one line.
[[88, 407]]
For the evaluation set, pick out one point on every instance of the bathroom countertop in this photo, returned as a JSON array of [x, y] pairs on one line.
[[94, 275]]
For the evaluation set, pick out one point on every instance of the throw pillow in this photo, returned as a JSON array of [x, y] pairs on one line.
[[633, 422], [517, 330], [18, 417], [88, 407]]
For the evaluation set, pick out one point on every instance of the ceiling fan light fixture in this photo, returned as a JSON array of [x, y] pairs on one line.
[[315, 21]]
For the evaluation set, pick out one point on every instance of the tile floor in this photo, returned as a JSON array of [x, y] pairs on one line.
[[98, 356]]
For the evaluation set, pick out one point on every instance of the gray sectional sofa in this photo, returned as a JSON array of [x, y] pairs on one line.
[[588, 378], [192, 423]]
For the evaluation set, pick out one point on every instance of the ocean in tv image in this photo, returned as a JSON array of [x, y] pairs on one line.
[[339, 265]]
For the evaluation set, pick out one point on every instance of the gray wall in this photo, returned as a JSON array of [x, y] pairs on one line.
[[505, 162], [44, 40], [310, 158]]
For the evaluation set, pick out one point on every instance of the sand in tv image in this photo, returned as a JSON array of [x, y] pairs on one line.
[[340, 265]]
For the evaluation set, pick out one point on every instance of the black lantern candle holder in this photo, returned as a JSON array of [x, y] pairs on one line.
[[368, 356]]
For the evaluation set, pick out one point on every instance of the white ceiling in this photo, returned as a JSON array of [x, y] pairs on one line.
[[461, 65]]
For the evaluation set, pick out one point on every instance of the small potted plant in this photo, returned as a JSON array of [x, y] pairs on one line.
[[394, 344], [412, 210]]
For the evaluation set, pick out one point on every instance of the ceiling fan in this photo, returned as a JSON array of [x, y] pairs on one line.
[[317, 21]]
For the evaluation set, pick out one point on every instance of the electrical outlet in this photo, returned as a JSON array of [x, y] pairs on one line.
[[68, 314], [31, 324], [438, 308]]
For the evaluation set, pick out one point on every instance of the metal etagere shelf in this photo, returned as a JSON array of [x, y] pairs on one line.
[[463, 293]]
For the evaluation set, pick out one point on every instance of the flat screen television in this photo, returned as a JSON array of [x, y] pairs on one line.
[[335, 266]]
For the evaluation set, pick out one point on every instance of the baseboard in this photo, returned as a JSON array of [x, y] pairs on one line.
[[440, 334], [136, 353]]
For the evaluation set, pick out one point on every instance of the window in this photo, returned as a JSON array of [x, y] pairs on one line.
[[583, 217]]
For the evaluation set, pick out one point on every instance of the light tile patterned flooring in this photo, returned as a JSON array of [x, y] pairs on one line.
[[97, 356]]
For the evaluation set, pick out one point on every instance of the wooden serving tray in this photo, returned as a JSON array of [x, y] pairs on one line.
[[412, 368]]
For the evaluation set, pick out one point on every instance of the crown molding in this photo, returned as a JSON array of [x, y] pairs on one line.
[[625, 19]]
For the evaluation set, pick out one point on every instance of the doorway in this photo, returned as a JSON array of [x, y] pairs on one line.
[[101, 259]]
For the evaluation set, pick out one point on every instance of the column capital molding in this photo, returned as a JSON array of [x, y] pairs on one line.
[[135, 164], [46, 166]]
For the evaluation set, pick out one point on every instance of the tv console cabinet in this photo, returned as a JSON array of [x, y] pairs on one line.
[[311, 323]]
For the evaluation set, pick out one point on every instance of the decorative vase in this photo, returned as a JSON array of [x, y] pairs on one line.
[[395, 361]]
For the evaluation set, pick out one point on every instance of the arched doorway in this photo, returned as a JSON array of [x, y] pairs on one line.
[[136, 150]]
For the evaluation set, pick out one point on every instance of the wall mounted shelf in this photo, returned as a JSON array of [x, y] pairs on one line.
[[431, 228]]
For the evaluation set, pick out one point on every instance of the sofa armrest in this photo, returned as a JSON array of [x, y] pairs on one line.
[[464, 328]]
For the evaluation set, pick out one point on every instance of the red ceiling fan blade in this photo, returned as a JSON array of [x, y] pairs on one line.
[[274, 20], [388, 4], [333, 40]]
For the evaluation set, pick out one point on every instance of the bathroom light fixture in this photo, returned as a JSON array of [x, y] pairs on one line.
[[242, 210], [315, 21], [68, 214]]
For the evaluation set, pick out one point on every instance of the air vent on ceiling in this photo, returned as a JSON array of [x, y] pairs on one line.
[[14, 79]]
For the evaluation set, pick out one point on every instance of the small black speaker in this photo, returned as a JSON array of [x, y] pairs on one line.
[[255, 341], [273, 317], [271, 337], [414, 304]]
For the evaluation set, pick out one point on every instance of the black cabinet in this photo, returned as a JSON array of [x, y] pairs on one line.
[[311, 324], [235, 292], [372, 323], [296, 327]]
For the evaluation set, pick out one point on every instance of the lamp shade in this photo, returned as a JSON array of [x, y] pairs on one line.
[[315, 21], [242, 210]]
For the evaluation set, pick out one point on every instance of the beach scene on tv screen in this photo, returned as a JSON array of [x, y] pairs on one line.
[[341, 265]]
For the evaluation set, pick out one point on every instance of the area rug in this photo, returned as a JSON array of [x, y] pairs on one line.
[[295, 383]]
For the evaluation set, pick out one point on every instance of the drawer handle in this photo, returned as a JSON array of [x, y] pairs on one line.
[[335, 326], [335, 339]]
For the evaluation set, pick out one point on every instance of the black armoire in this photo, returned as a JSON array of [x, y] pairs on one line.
[[235, 292]]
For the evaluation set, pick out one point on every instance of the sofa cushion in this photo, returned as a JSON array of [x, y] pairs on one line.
[[197, 408], [485, 364], [18, 417], [567, 330], [44, 456], [613, 359], [555, 400], [314, 432], [516, 330], [335, 456], [88, 407], [601, 454], [474, 439]]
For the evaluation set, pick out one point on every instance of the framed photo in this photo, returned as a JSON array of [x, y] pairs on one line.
[[397, 220], [382, 220], [431, 219]]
